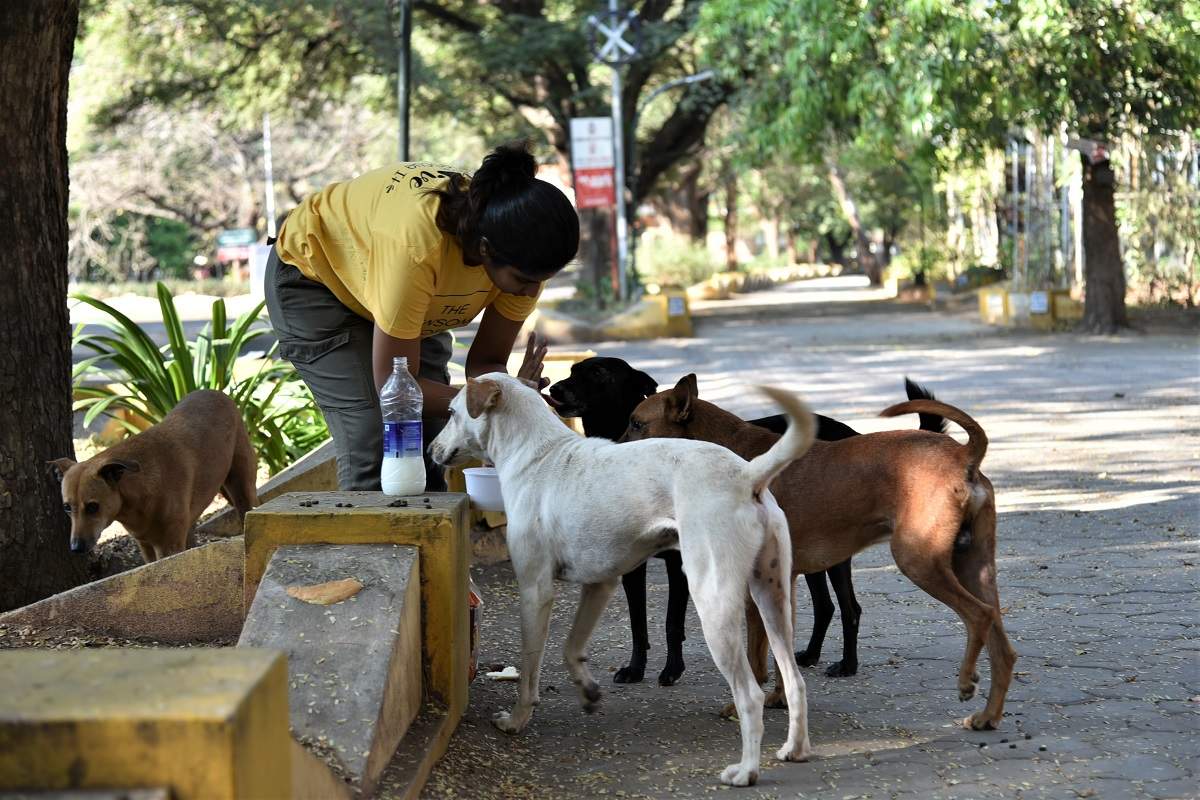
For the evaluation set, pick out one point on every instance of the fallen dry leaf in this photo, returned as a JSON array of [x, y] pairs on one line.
[[328, 593]]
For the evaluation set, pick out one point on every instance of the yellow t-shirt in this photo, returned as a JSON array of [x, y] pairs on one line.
[[374, 242]]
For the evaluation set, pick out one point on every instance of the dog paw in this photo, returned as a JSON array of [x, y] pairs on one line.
[[728, 711], [670, 674], [591, 694], [978, 722], [630, 674], [504, 721], [967, 691], [841, 669], [806, 658], [776, 699], [803, 753], [737, 775]]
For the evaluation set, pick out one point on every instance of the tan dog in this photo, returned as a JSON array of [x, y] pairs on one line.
[[922, 491], [158, 483]]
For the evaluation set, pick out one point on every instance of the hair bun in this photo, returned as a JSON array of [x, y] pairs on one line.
[[510, 166]]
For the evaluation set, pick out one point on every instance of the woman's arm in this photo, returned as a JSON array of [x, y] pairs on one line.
[[493, 345], [384, 348]]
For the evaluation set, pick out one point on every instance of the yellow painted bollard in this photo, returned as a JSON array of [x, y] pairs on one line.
[[203, 724]]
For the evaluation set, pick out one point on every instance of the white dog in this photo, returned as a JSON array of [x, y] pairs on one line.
[[590, 510]]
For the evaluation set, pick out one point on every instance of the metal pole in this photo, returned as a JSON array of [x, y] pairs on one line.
[[1029, 156], [270, 177], [1015, 206], [1064, 230], [403, 74], [619, 164]]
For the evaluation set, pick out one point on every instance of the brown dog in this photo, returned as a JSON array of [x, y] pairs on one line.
[[158, 483], [921, 490]]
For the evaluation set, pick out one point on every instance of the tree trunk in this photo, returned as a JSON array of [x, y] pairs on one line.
[[595, 253], [686, 205], [837, 248], [789, 241], [850, 211], [731, 220], [885, 247], [1104, 274], [770, 229], [36, 41]]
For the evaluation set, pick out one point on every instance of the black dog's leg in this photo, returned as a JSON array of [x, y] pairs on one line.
[[677, 602], [822, 614], [843, 587], [635, 595]]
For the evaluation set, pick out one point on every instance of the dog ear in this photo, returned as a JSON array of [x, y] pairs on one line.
[[481, 396], [113, 470], [61, 465], [681, 398], [644, 384]]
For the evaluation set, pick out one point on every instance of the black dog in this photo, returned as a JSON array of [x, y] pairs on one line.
[[604, 392]]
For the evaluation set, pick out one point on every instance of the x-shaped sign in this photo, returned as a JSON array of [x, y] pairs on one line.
[[615, 49]]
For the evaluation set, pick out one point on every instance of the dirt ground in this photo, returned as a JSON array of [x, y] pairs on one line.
[[1095, 452]]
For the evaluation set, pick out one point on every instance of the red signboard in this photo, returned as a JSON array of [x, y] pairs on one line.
[[233, 253], [594, 188]]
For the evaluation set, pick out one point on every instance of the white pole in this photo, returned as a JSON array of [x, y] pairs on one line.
[[270, 187], [619, 165], [1015, 194]]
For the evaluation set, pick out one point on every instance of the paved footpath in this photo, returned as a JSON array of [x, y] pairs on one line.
[[1095, 455]]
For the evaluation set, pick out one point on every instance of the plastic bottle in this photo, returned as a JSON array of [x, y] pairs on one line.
[[403, 470]]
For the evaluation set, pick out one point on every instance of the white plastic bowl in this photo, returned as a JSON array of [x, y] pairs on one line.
[[483, 487]]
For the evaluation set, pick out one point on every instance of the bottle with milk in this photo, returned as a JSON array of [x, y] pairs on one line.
[[400, 401]]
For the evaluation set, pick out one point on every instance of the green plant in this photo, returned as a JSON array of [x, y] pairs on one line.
[[147, 380], [674, 263]]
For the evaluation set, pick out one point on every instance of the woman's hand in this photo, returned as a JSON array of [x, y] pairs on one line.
[[531, 367]]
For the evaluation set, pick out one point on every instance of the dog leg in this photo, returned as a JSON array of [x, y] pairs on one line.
[[677, 603], [976, 570], [770, 587], [537, 597], [593, 598], [241, 484], [756, 651], [634, 583], [843, 586], [822, 614], [937, 578], [720, 618], [148, 554]]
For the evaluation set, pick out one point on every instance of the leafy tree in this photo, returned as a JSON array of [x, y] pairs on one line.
[[530, 57], [830, 73]]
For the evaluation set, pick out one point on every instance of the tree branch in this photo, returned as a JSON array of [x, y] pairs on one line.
[[437, 11]]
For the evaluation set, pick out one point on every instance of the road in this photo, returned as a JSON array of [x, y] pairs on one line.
[[1095, 452]]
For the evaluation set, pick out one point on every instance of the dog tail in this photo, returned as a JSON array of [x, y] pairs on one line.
[[796, 440], [977, 440], [929, 422]]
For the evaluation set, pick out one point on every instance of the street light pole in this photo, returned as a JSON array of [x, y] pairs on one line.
[[637, 112], [403, 73], [614, 52]]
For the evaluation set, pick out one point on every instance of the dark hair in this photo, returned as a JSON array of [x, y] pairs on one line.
[[528, 223]]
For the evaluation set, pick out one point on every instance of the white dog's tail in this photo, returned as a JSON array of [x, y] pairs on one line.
[[794, 443]]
